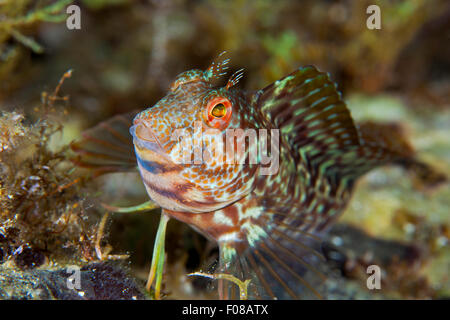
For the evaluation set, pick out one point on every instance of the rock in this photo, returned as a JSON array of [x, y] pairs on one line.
[[97, 281]]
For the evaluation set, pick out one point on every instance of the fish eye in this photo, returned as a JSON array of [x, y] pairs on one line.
[[218, 112]]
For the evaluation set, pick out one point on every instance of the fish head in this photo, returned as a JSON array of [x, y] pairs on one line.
[[181, 144]]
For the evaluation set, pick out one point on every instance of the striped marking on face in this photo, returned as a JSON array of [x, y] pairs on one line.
[[170, 189], [162, 181], [155, 167]]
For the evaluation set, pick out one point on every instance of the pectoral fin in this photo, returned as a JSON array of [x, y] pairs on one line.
[[107, 147]]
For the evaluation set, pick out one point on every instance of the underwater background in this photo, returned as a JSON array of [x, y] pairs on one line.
[[125, 56]]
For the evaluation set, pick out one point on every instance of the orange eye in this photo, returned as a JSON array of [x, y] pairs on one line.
[[218, 112]]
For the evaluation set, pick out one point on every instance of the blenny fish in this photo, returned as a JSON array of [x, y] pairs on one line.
[[268, 226]]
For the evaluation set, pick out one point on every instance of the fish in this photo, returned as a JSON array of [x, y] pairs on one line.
[[268, 224]]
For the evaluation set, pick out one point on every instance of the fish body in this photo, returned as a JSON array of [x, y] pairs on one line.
[[256, 219], [267, 225]]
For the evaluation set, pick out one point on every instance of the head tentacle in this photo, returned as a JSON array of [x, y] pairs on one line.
[[234, 79], [217, 68]]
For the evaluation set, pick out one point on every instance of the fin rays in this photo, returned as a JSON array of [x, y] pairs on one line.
[[108, 147], [280, 263], [275, 274], [289, 269]]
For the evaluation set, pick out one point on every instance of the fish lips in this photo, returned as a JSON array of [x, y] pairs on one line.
[[145, 138]]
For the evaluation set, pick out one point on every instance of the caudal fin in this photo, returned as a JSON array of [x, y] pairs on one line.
[[389, 139]]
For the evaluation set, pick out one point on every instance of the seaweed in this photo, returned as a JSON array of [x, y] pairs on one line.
[[44, 216], [17, 25]]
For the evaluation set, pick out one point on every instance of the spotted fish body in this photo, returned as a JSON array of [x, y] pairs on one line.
[[268, 227]]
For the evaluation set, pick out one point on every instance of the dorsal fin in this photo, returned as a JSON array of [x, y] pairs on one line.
[[318, 127], [107, 147], [310, 114]]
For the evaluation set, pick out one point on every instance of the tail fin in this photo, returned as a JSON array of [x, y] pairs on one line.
[[389, 136], [390, 139], [107, 147]]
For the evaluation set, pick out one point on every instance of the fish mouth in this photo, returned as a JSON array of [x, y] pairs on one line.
[[145, 137]]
